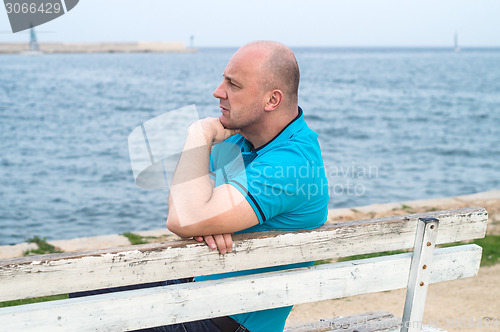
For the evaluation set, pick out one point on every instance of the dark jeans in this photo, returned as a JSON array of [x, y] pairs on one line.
[[204, 325]]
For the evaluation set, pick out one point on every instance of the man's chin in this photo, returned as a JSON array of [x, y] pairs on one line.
[[225, 123]]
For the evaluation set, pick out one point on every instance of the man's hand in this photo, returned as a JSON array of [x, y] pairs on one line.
[[214, 130], [224, 242]]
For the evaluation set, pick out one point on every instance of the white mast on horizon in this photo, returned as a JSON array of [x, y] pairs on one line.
[[456, 47]]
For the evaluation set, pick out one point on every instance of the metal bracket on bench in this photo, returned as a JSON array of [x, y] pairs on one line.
[[418, 281]]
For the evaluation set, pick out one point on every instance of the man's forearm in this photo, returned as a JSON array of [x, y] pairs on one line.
[[191, 187], [195, 206]]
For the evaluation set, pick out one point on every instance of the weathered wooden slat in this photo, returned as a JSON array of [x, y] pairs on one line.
[[376, 321], [185, 302], [49, 274]]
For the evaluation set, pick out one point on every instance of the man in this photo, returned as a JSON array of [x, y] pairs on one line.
[[257, 167]]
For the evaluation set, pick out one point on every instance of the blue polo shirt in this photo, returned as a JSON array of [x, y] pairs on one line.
[[285, 183]]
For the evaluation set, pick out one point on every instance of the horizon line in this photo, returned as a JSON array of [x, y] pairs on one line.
[[238, 46]]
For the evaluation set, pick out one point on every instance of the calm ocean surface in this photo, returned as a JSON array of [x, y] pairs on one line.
[[394, 124]]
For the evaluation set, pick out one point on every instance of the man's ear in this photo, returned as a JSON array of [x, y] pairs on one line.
[[275, 98]]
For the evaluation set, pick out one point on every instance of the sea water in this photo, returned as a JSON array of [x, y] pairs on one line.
[[393, 124]]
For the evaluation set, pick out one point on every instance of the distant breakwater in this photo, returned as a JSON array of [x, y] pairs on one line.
[[137, 47]]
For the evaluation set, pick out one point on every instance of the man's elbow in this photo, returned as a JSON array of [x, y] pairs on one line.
[[175, 227], [173, 224]]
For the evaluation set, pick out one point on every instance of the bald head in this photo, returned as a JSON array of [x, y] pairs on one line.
[[279, 68], [258, 94]]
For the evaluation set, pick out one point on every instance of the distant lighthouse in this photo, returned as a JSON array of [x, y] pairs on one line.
[[34, 47]]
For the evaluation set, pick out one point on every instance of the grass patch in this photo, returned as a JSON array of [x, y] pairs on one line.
[[33, 300], [407, 208], [43, 247], [491, 249], [322, 261], [135, 238]]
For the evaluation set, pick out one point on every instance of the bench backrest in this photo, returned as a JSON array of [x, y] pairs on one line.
[[70, 272]]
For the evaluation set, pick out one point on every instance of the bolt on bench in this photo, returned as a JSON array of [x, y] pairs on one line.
[[121, 311]]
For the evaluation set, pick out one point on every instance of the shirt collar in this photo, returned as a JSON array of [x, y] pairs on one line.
[[284, 135]]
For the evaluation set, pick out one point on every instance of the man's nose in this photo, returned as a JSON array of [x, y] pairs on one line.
[[219, 93]]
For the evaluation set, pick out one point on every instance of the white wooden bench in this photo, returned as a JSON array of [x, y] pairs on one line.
[[87, 270]]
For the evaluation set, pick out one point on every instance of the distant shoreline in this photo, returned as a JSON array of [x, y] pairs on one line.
[[179, 47], [136, 47], [374, 48]]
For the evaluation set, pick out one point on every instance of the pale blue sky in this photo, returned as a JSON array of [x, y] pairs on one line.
[[296, 23]]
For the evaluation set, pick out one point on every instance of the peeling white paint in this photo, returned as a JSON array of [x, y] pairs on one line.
[[187, 302], [94, 270]]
